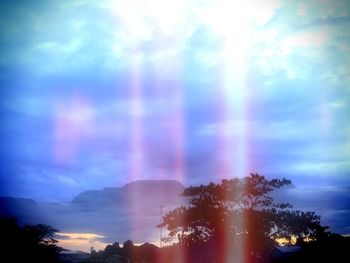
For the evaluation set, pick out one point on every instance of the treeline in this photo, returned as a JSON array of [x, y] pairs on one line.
[[27, 243], [330, 248], [126, 254], [236, 220]]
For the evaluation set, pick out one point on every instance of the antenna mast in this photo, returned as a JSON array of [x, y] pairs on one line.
[[161, 227]]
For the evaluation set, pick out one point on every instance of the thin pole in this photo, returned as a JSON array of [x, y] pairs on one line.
[[161, 227]]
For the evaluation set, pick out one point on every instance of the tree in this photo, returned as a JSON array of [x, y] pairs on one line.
[[237, 213], [301, 225], [28, 243], [114, 249]]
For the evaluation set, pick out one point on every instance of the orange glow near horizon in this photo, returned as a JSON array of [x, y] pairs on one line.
[[80, 241], [284, 241]]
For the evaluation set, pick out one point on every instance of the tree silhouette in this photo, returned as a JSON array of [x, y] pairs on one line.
[[28, 243], [238, 213]]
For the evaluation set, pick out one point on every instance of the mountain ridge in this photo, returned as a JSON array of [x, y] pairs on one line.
[[117, 213], [156, 187]]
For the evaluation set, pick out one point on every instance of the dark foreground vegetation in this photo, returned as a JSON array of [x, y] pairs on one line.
[[27, 243], [331, 248], [234, 221]]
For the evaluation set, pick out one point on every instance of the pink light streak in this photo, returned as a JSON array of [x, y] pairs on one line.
[[73, 122]]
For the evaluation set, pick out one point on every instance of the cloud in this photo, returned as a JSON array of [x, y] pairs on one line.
[[332, 203], [78, 236], [90, 91], [308, 39], [120, 33], [80, 241]]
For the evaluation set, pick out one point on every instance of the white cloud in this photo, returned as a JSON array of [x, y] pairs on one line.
[[66, 48], [305, 39], [320, 168], [65, 180], [78, 44], [279, 130]]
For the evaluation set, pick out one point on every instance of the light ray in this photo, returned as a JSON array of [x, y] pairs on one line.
[[235, 27], [227, 21], [74, 121]]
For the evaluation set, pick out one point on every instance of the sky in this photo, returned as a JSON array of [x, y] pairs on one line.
[[100, 93]]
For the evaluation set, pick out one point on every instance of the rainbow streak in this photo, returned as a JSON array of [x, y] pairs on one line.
[[136, 142], [172, 124], [228, 21], [233, 135], [73, 122]]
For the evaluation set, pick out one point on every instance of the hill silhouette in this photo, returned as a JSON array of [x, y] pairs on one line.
[[116, 205]]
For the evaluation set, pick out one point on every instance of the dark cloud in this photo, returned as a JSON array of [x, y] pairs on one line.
[[332, 203]]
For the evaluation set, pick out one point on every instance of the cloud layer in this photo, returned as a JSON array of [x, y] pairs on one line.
[[97, 94]]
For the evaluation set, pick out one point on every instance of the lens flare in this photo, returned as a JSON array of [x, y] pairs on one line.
[[74, 121], [229, 22]]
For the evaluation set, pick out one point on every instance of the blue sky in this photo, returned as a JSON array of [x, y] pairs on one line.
[[100, 93]]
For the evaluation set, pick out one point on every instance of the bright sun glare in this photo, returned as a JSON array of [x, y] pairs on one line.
[[229, 23]]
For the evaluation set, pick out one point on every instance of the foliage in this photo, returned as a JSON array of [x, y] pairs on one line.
[[28, 243], [128, 253], [238, 211]]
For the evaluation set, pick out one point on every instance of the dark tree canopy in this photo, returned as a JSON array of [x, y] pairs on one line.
[[236, 212], [28, 243]]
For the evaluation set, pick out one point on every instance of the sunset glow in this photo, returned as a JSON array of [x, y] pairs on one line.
[[81, 241]]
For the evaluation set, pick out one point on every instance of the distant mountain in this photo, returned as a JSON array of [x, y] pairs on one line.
[[119, 213], [25, 210], [145, 191], [133, 211], [8, 202]]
